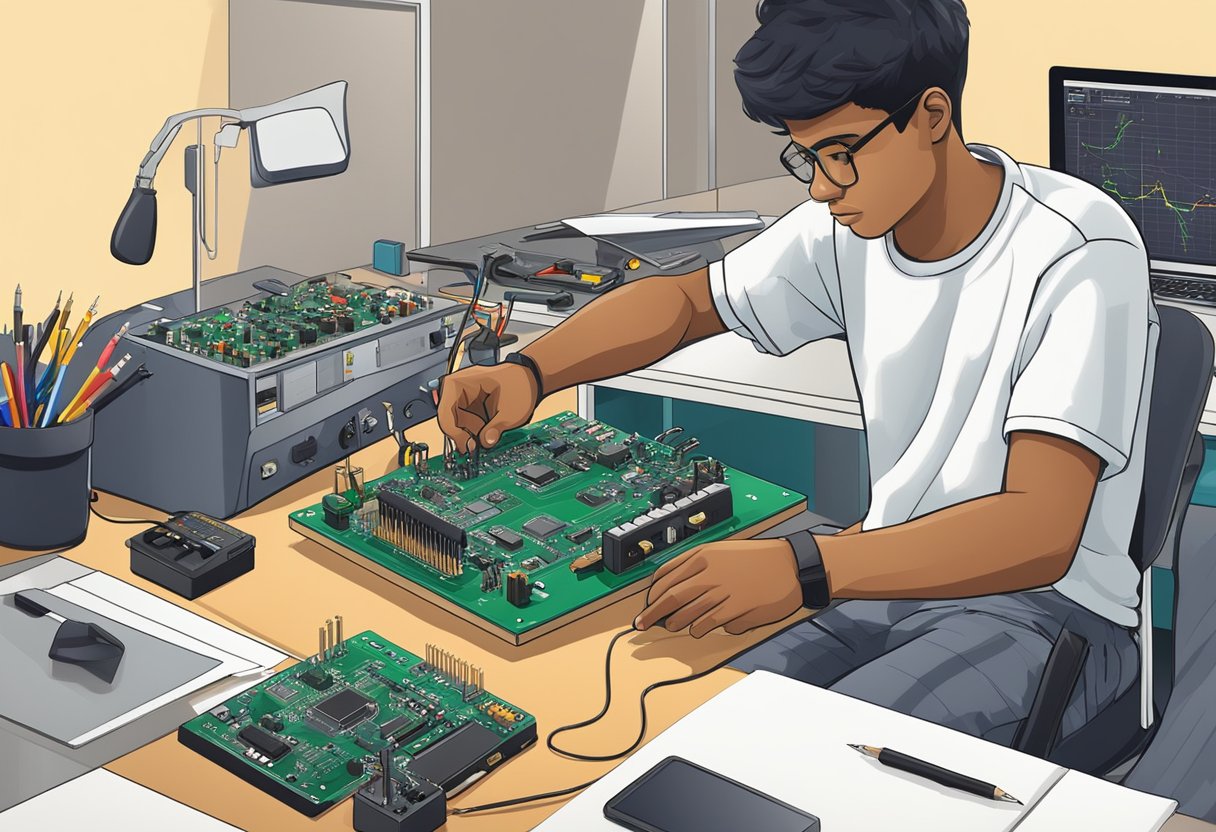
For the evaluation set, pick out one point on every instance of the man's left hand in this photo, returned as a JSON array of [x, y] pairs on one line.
[[735, 584]]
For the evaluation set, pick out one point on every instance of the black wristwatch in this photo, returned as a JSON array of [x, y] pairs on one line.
[[811, 574], [526, 361]]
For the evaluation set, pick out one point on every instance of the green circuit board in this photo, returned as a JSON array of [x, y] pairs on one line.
[[519, 539], [314, 733], [313, 312]]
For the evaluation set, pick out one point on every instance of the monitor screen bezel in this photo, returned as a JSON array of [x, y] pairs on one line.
[[1059, 76]]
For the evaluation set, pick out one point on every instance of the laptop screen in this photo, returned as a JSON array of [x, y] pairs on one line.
[[1148, 141]]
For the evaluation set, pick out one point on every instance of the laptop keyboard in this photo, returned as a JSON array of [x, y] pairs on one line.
[[1187, 290]]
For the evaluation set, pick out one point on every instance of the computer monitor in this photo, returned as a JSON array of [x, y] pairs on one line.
[[1149, 140]]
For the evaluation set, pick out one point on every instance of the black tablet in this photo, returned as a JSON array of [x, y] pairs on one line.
[[679, 796]]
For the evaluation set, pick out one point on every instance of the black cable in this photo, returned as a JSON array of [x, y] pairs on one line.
[[590, 757], [94, 498]]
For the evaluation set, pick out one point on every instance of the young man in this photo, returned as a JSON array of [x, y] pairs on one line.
[[1002, 336]]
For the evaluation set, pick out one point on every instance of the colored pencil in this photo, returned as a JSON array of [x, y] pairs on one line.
[[14, 404]]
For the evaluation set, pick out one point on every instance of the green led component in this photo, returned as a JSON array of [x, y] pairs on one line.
[[313, 312]]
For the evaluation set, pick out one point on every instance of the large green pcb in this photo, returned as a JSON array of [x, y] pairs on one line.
[[312, 734], [263, 329], [538, 503]]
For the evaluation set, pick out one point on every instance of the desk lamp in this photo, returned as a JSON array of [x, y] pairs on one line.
[[301, 137]]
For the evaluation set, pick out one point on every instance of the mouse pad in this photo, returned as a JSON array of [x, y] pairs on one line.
[[63, 701]]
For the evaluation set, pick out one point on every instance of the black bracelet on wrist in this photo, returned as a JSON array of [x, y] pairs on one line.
[[526, 361], [811, 573]]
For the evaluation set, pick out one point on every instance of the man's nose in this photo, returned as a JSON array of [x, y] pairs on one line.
[[823, 189]]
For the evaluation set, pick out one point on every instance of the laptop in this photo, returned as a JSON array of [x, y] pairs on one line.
[[1147, 140]]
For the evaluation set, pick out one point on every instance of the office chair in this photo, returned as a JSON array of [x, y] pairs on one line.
[[1173, 456]]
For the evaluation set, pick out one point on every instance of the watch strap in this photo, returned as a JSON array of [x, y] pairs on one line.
[[811, 573]]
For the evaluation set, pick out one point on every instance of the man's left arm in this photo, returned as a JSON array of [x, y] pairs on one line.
[[1021, 538]]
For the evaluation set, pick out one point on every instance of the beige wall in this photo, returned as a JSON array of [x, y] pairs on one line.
[[87, 85], [278, 48], [1014, 44]]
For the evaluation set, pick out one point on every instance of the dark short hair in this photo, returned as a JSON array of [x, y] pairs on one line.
[[809, 57]]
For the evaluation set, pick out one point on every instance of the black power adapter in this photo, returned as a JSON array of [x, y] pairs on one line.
[[412, 804], [191, 553]]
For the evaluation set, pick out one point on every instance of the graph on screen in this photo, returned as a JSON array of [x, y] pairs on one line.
[[1155, 152]]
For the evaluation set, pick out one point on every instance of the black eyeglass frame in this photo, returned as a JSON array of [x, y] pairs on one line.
[[811, 154]]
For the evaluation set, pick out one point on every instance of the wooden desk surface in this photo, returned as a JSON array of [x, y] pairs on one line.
[[297, 584]]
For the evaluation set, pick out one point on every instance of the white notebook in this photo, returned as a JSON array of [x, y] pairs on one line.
[[789, 740], [1079, 801]]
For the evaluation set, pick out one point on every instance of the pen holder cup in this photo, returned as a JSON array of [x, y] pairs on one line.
[[45, 483]]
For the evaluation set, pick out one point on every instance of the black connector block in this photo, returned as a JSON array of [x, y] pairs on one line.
[[412, 807], [394, 506], [627, 545]]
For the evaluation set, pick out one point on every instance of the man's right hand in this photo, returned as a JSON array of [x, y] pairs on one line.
[[478, 403]]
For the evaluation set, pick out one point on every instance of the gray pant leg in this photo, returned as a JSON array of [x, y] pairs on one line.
[[973, 665], [842, 638]]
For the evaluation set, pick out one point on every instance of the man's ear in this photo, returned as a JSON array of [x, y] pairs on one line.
[[938, 111]]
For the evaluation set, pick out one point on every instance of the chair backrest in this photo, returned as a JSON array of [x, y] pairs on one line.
[[1181, 380]]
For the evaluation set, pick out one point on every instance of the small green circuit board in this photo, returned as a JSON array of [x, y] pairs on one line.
[[312, 734], [538, 504], [313, 312]]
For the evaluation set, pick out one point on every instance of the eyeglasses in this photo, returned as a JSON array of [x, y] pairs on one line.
[[834, 157]]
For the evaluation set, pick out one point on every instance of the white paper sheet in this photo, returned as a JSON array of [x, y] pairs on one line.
[[789, 740], [132, 606], [605, 225], [243, 661], [1079, 801], [101, 801]]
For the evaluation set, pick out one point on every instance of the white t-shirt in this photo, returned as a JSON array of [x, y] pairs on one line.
[[1045, 323]]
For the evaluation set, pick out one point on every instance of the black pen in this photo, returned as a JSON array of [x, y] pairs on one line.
[[942, 776], [17, 312]]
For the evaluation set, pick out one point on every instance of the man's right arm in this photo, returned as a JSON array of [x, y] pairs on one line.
[[629, 328]]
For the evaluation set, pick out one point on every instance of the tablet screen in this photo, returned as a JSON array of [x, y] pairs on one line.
[[677, 796]]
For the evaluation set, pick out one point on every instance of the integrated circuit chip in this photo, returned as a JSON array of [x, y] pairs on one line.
[[479, 507], [537, 474], [448, 762], [612, 454], [506, 538], [496, 497], [592, 498], [344, 710], [282, 692], [263, 743], [543, 527]]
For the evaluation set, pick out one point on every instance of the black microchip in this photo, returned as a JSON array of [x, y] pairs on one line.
[[543, 527], [479, 506], [592, 498], [611, 454], [496, 497], [537, 474], [581, 535], [401, 727], [557, 446], [346, 709], [506, 538], [447, 762], [263, 743], [317, 678]]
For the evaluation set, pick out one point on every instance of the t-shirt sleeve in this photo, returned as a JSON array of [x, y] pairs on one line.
[[781, 287], [1082, 361]]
